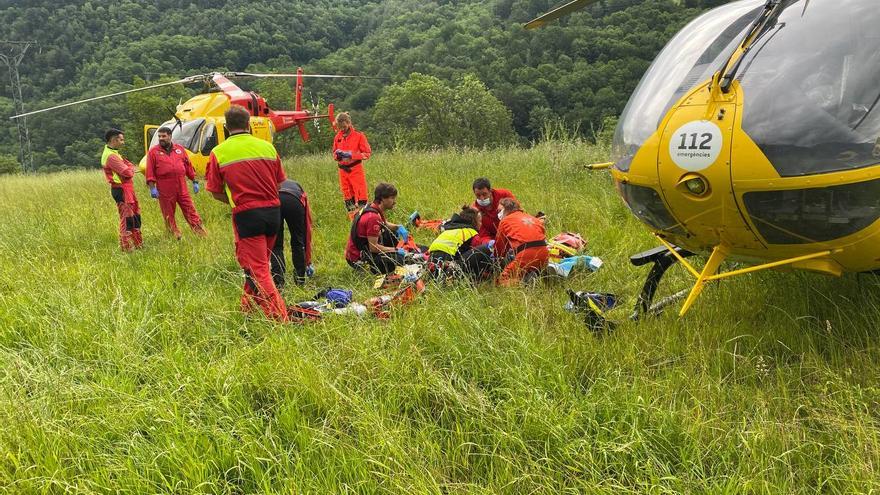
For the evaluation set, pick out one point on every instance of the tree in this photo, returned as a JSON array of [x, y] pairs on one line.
[[424, 112]]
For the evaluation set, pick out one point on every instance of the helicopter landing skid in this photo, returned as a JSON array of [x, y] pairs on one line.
[[662, 258], [710, 269]]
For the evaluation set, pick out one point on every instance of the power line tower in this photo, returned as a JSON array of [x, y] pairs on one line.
[[11, 54]]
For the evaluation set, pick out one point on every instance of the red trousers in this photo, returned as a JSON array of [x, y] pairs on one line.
[[173, 192], [353, 184], [528, 260], [252, 253], [129, 217]]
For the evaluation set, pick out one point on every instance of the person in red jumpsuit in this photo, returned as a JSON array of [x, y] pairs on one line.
[[521, 235], [350, 149], [119, 173], [245, 172], [167, 167], [486, 203]]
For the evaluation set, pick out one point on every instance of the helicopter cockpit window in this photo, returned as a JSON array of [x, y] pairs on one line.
[[690, 58], [209, 138], [183, 133], [811, 99]]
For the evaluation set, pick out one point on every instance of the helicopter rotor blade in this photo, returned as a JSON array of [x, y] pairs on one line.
[[313, 76], [558, 12], [185, 80]]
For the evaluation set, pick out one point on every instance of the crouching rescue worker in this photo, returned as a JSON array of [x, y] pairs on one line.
[[486, 202], [455, 248], [372, 241], [296, 213], [167, 168], [119, 173], [350, 149], [245, 172], [522, 236]]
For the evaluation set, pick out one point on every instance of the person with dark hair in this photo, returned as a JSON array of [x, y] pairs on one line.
[[486, 203], [167, 167], [350, 149], [454, 247], [521, 236], [296, 213], [372, 240], [119, 173], [245, 172]]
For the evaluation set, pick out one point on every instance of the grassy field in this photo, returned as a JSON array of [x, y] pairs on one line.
[[137, 374]]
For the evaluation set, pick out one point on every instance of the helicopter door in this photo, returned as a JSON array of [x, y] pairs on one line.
[[149, 130]]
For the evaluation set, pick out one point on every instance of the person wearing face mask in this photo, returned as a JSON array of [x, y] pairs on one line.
[[522, 236], [486, 202], [372, 240], [167, 168]]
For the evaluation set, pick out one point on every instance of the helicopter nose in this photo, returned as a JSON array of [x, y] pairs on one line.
[[694, 171]]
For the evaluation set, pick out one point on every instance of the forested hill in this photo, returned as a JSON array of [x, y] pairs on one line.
[[581, 69]]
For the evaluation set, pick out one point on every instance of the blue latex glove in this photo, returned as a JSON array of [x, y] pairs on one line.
[[310, 271], [491, 245], [154, 193], [345, 154], [402, 233], [401, 252], [196, 187]]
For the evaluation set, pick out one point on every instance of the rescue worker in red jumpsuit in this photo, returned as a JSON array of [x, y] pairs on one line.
[[521, 235], [167, 166], [245, 172], [295, 212], [372, 240], [486, 203], [350, 149], [119, 173]]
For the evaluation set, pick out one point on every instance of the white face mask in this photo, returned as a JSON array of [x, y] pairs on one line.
[[500, 214], [484, 202]]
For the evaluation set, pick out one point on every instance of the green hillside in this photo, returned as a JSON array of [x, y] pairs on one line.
[[137, 374], [580, 70]]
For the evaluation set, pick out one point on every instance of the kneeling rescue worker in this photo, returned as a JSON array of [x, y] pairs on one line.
[[245, 172], [167, 168], [486, 199], [119, 173], [456, 244], [521, 235], [372, 243]]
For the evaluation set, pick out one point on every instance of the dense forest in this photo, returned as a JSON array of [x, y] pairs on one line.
[[457, 58]]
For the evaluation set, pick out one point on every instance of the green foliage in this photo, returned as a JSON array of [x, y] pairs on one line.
[[138, 374], [425, 112], [580, 69], [9, 164]]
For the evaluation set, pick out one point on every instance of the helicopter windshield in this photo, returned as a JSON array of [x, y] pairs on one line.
[[691, 57], [185, 134], [811, 87]]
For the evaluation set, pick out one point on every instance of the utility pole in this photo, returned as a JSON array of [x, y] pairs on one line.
[[11, 54]]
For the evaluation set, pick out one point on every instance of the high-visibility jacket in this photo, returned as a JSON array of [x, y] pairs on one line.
[[248, 170], [452, 238], [117, 169]]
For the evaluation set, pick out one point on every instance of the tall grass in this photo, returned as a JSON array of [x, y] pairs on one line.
[[137, 374]]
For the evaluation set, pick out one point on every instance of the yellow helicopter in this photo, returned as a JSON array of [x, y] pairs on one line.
[[198, 123], [755, 136]]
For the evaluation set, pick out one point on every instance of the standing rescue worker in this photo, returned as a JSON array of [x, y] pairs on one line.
[[296, 213], [245, 172], [521, 235], [167, 166], [119, 173], [350, 149], [372, 243], [486, 202]]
